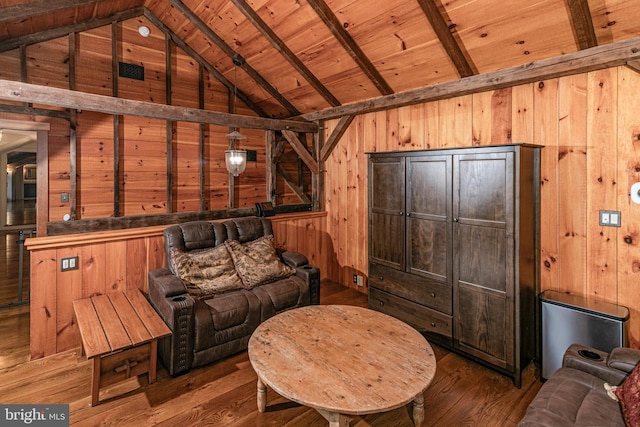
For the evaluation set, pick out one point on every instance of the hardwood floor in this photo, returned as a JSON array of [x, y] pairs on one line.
[[224, 393]]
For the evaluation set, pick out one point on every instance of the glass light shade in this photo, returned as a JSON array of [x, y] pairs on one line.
[[236, 161]]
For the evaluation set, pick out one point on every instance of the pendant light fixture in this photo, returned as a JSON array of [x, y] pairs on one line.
[[235, 159]]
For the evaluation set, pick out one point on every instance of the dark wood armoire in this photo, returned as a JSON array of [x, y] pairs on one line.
[[454, 248]]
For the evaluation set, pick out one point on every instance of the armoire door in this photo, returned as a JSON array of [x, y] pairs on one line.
[[387, 211], [483, 230], [429, 207]]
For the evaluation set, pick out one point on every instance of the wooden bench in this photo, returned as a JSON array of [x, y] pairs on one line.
[[120, 332]]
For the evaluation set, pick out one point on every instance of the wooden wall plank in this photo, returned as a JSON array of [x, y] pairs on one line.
[[546, 134], [66, 327], [482, 113], [137, 264], [116, 275], [522, 117], [94, 269], [602, 182], [572, 163], [43, 304]]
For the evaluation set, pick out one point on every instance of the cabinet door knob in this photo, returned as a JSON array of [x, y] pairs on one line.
[[455, 220], [433, 294], [381, 277], [401, 213], [381, 303], [408, 213], [433, 324]]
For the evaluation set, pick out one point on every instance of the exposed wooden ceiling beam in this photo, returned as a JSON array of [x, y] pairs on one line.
[[22, 11], [21, 109], [284, 50], [582, 23], [335, 136], [210, 68], [218, 41], [347, 42], [464, 67], [595, 58], [634, 65], [54, 33], [25, 92], [292, 185], [301, 150]]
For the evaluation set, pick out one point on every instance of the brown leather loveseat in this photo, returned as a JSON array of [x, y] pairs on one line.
[[210, 326], [575, 395]]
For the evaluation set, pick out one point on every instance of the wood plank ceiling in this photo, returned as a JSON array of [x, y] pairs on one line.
[[303, 56]]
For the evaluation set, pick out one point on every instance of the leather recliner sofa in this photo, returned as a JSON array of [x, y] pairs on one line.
[[208, 329], [575, 394]]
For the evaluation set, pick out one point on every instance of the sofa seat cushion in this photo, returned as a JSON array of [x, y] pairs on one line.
[[573, 398], [206, 272], [225, 318], [257, 262], [282, 295]]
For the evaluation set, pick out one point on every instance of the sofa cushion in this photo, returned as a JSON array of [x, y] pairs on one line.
[[225, 319], [206, 272], [257, 262], [628, 393], [573, 398]]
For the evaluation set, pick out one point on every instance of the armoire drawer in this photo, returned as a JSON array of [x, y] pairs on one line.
[[422, 318], [409, 286]]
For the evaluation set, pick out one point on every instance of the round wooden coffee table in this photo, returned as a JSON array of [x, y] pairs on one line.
[[342, 360]]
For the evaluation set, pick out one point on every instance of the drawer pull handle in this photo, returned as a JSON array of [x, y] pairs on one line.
[[433, 324], [433, 294]]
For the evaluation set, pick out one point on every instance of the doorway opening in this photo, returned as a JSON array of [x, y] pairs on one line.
[[18, 207]]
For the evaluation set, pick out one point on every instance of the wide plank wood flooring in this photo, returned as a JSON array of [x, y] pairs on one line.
[[462, 393]]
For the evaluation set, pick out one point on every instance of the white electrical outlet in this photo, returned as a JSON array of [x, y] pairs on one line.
[[610, 218], [614, 218], [360, 281], [69, 263]]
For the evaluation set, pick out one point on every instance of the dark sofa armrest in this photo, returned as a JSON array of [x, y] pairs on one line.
[[294, 259], [304, 270], [594, 362], [624, 359], [169, 297], [165, 283]]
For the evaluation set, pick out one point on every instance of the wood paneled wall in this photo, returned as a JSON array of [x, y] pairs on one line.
[[590, 130], [140, 142], [118, 260]]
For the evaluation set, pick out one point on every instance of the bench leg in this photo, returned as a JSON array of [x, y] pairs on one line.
[[95, 381], [153, 361]]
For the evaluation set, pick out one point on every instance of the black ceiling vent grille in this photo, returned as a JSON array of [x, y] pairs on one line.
[[131, 71]]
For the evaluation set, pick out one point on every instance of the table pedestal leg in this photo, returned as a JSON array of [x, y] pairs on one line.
[[262, 396], [418, 410]]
